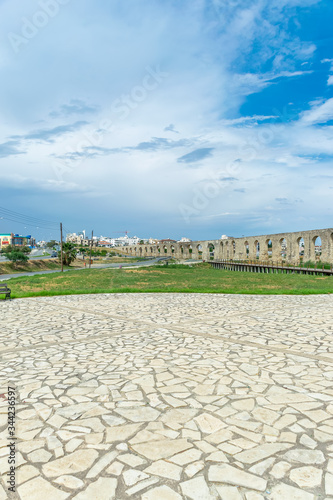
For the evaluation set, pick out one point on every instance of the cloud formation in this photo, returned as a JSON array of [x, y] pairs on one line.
[[196, 155], [247, 103]]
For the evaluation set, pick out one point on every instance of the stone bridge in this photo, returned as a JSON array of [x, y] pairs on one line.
[[290, 247]]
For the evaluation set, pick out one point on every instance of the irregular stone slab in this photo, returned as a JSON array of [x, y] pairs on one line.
[[329, 484], [75, 411], [155, 450], [261, 452], [121, 432], [140, 414], [70, 482], [161, 493], [25, 473], [141, 486], [165, 469], [104, 488], [307, 457], [144, 436], [39, 489], [209, 424], [101, 464], [280, 470], [306, 477], [40, 456], [229, 493], [244, 404], [196, 489], [265, 415], [260, 468], [133, 476], [284, 491], [231, 475], [78, 461], [178, 416], [192, 469], [186, 457], [132, 460], [249, 369], [219, 436]]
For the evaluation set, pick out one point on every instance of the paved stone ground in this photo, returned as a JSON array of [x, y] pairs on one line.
[[169, 397]]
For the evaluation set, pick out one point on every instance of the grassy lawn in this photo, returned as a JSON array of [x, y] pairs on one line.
[[174, 278]]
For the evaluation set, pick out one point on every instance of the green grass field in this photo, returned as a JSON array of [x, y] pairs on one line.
[[201, 278]]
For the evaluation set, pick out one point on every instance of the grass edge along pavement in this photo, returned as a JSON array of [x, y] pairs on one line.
[[163, 279]]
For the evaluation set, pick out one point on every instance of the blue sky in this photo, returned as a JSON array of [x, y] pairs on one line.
[[165, 118]]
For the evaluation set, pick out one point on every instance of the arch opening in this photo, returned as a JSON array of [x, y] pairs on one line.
[[301, 247], [283, 249], [317, 247], [269, 244], [211, 249], [247, 249], [257, 249]]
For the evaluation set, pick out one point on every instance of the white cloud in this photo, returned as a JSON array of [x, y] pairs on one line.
[[330, 80], [213, 63], [320, 112]]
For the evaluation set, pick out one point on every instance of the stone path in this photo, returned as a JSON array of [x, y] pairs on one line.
[[169, 397]]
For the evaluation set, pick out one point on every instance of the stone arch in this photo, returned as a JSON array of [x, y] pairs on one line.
[[247, 249], [269, 248], [317, 244], [283, 248], [233, 249], [172, 249], [221, 250], [158, 249], [226, 250], [140, 251], [257, 249], [190, 250], [301, 247], [199, 251], [211, 248]]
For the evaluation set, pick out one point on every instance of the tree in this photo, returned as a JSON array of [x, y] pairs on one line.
[[25, 250], [7, 249], [51, 244], [69, 253], [16, 256]]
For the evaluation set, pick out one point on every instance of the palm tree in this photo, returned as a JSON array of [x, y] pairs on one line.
[[69, 252]]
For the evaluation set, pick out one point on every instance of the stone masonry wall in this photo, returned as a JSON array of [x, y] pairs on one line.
[[285, 246]]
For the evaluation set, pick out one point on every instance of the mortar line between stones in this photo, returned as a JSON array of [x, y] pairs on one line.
[[59, 342], [206, 335]]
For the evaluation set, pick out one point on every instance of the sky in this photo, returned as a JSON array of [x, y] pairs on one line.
[[166, 118]]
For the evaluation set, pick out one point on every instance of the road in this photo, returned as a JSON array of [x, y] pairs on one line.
[[4, 277]]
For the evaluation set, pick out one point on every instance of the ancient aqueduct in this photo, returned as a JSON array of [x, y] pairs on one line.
[[290, 247]]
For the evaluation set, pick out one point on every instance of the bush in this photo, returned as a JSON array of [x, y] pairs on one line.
[[17, 256]]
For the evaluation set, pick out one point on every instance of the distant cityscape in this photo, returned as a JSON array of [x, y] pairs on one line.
[[82, 239]]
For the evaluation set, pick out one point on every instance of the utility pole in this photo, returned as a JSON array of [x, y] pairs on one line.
[[91, 244], [62, 263]]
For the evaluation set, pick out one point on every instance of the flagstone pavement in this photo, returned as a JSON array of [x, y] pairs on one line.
[[169, 397]]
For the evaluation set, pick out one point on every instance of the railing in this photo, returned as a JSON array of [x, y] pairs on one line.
[[269, 267]]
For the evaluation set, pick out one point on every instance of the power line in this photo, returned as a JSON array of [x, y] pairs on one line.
[[10, 214], [24, 223]]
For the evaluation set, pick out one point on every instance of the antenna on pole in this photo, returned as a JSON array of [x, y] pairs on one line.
[[62, 262], [91, 244]]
